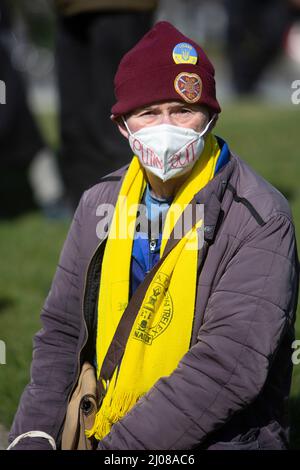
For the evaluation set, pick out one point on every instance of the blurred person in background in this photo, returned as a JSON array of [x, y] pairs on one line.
[[206, 361], [92, 36], [255, 36], [29, 174]]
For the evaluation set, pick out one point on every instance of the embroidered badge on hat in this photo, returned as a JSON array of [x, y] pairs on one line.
[[185, 53], [188, 86]]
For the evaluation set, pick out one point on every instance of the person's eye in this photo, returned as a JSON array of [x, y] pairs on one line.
[[147, 113], [185, 111]]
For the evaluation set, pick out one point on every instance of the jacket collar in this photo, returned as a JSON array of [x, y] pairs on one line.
[[211, 196]]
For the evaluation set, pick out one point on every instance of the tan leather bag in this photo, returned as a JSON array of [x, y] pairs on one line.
[[81, 412]]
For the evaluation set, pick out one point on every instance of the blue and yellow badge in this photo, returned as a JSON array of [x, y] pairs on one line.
[[185, 53]]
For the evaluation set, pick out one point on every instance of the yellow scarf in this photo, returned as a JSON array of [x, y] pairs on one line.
[[162, 330]]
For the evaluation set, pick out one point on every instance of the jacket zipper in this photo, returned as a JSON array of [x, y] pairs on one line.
[[83, 317], [86, 332], [152, 246]]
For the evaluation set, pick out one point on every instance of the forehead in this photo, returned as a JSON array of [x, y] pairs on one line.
[[168, 106]]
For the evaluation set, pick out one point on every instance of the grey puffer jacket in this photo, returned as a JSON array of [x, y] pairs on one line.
[[230, 390]]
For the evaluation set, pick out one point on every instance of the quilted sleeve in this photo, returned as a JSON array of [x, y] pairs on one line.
[[43, 402]]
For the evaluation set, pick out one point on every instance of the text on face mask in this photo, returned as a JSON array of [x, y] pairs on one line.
[[178, 160]]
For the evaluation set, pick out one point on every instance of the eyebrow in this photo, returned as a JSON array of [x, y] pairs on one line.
[[172, 106]]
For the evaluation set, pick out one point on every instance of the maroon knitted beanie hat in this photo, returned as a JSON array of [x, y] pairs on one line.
[[164, 65]]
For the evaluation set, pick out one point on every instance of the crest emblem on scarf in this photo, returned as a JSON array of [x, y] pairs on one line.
[[152, 323], [188, 86]]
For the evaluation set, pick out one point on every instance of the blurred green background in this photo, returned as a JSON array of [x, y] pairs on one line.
[[265, 136]]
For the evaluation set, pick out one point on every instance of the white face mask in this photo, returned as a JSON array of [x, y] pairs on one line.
[[166, 150]]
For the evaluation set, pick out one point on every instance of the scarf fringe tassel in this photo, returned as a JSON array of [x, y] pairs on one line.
[[111, 412]]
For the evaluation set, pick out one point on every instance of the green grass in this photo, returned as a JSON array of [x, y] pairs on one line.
[[264, 136], [29, 252]]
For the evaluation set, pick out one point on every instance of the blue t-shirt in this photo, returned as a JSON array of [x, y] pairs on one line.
[[147, 241]]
